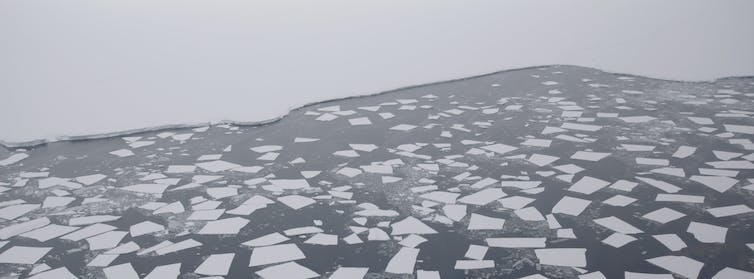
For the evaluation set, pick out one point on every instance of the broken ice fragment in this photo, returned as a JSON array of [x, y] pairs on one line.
[[707, 233], [23, 254], [275, 254], [575, 257], [216, 264], [403, 262], [681, 265], [411, 225], [289, 270]]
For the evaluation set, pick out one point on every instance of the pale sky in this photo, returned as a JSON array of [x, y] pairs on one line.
[[89, 67]]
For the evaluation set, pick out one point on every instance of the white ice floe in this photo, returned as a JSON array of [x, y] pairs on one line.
[[732, 273], [474, 264], [707, 233], [275, 254], [618, 240], [717, 183], [681, 265], [106, 240], [88, 231], [403, 262], [517, 242], [481, 222], [639, 275], [499, 148], [349, 273], [289, 270], [571, 206], [216, 264], [663, 215], [589, 156], [178, 246], [615, 224], [165, 271], [49, 232], [266, 240], [296, 201], [731, 210], [575, 257], [146, 188], [411, 225], [671, 241], [224, 226], [23, 254], [146, 227], [588, 185], [121, 271]]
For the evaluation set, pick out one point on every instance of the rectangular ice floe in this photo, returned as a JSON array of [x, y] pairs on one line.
[[23, 254], [617, 225], [275, 254], [517, 242], [575, 257]]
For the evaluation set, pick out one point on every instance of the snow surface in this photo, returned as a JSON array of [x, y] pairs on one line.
[[96, 67]]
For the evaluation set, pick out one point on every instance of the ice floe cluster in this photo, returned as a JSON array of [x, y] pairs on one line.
[[539, 173]]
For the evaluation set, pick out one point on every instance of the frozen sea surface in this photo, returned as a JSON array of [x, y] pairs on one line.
[[550, 172], [98, 67]]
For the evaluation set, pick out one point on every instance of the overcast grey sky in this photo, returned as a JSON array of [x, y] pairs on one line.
[[87, 67]]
